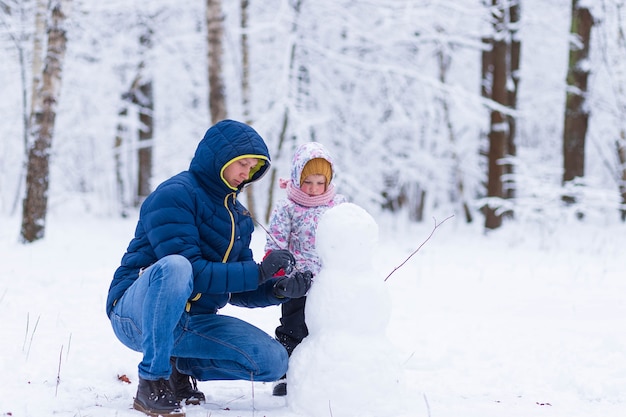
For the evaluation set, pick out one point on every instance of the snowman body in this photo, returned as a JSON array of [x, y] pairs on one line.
[[346, 353]]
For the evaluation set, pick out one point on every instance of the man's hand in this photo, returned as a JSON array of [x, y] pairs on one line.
[[295, 286], [274, 262]]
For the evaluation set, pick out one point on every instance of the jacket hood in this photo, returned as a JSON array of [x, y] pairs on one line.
[[224, 143], [303, 154]]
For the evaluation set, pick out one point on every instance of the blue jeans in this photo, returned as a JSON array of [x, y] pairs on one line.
[[151, 318]]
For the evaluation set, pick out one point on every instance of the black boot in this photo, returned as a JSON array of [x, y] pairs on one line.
[[280, 387], [155, 398], [185, 387]]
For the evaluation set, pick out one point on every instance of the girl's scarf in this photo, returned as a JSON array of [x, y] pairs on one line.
[[296, 195]]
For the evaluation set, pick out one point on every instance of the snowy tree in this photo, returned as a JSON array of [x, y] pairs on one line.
[[611, 32], [14, 20], [391, 88], [245, 91], [500, 83], [142, 96], [35, 204], [217, 89], [576, 110], [137, 102], [288, 130]]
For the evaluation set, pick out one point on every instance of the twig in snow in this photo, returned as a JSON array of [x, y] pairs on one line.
[[31, 336], [409, 358], [420, 246], [26, 332], [427, 405], [69, 343], [224, 406], [56, 390]]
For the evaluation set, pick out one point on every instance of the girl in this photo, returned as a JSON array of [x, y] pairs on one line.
[[293, 224]]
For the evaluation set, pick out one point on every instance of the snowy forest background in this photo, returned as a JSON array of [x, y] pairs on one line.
[[393, 88], [523, 321]]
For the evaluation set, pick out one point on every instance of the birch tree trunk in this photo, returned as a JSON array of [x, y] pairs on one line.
[[576, 114], [215, 28], [35, 204], [38, 45]]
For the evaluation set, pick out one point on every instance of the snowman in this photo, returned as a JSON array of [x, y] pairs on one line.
[[346, 366]]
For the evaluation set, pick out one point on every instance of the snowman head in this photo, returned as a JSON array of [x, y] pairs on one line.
[[346, 238]]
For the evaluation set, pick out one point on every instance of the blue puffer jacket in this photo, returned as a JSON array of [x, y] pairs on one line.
[[196, 214]]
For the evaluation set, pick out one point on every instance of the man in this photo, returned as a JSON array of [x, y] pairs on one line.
[[189, 257]]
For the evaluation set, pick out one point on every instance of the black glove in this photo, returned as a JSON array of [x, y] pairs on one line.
[[274, 262], [295, 286]]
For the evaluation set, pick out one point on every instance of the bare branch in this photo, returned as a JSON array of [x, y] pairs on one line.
[[420, 246], [267, 232]]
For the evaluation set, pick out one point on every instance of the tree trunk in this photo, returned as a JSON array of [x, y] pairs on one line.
[[502, 70], [416, 212], [35, 204], [38, 45], [282, 137], [121, 137], [621, 141], [512, 87], [281, 140], [144, 100], [621, 155], [137, 102], [498, 131], [146, 135], [576, 115], [245, 92], [245, 62], [217, 99], [37, 59], [416, 197]]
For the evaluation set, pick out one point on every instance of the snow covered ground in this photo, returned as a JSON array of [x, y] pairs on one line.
[[527, 321]]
